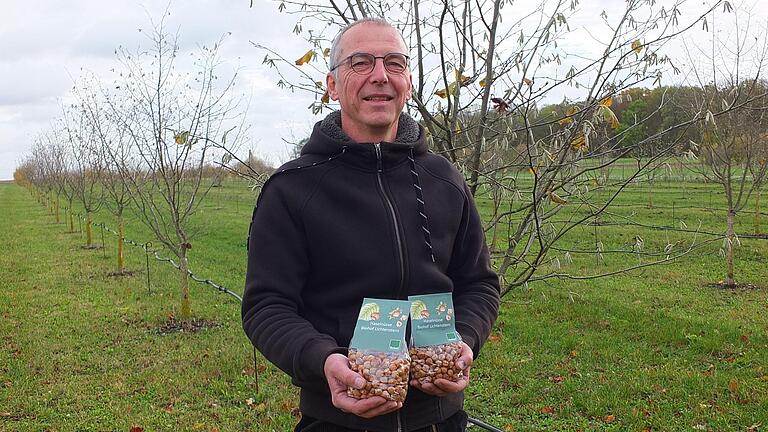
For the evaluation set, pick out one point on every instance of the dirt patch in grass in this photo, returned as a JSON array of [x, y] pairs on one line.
[[124, 273], [734, 287], [193, 325]]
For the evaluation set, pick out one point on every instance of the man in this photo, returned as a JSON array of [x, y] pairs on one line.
[[365, 211]]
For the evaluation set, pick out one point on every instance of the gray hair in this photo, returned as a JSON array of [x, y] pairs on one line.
[[335, 54]]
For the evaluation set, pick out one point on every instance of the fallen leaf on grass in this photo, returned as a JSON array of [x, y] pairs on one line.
[[509, 428], [5, 414], [557, 379], [610, 418], [733, 386], [744, 338], [494, 338], [547, 410], [136, 429], [168, 408]]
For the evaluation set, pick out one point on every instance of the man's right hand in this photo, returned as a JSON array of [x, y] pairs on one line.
[[340, 376]]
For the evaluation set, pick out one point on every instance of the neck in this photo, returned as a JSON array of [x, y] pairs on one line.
[[370, 135]]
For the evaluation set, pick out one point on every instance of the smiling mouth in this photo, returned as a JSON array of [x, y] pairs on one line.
[[378, 98]]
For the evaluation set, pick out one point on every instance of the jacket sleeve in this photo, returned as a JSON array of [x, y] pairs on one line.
[[476, 292], [277, 268]]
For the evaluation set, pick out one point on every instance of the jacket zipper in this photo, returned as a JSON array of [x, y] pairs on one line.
[[391, 207]]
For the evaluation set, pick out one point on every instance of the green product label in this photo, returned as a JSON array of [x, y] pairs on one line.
[[381, 325], [432, 319]]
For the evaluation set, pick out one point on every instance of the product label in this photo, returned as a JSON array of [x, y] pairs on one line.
[[381, 325], [432, 320]]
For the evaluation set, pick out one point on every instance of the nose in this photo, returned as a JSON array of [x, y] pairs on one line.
[[379, 73]]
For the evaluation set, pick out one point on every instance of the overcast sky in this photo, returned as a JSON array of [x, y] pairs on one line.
[[46, 44]]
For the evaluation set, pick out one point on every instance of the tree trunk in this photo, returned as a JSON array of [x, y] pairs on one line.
[[71, 219], [730, 236], [757, 213], [58, 218], [88, 232], [650, 193], [120, 237], [186, 309]]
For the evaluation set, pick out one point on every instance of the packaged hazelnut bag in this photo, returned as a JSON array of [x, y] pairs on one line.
[[434, 346], [378, 351]]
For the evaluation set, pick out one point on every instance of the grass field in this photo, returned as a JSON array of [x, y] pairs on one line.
[[654, 349]]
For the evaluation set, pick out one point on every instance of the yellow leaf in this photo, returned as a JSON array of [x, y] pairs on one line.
[[556, 198], [610, 117], [181, 137], [607, 102], [527, 82], [532, 170], [482, 83], [568, 119], [637, 46], [326, 52], [579, 143], [305, 58], [326, 97], [452, 89]]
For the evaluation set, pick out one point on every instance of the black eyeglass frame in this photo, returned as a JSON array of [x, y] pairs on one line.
[[383, 58]]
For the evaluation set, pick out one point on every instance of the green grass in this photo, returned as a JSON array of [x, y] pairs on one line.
[[653, 348]]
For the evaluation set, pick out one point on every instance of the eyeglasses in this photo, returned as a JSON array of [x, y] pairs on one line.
[[363, 63]]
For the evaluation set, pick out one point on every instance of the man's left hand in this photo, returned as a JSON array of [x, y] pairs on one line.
[[443, 387]]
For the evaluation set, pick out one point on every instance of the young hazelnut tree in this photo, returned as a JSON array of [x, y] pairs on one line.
[[111, 141], [172, 122], [733, 95], [87, 165]]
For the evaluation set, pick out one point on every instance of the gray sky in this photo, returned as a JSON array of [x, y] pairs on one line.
[[45, 45]]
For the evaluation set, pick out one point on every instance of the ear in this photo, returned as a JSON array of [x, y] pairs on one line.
[[330, 83], [410, 87]]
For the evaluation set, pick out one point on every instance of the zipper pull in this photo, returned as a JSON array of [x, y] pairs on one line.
[[377, 146]]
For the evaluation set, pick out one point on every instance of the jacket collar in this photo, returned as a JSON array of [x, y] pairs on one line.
[[328, 139]]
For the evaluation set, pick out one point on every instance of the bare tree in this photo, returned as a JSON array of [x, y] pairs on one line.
[[49, 158], [87, 165], [175, 123], [733, 147], [113, 146]]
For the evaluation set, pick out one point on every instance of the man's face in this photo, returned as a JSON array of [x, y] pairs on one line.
[[370, 102]]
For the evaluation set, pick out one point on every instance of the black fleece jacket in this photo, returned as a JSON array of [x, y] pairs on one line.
[[346, 221]]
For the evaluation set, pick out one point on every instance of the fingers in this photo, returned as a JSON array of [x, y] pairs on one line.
[[442, 387], [466, 357], [429, 388], [339, 377], [366, 408], [337, 369]]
